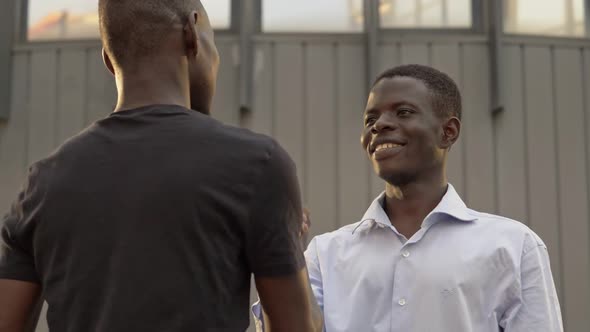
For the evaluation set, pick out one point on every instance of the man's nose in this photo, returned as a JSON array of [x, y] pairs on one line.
[[382, 124]]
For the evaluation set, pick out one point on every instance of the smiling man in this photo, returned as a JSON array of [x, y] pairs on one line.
[[420, 259]]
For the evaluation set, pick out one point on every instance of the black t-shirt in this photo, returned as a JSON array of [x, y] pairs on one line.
[[153, 219]]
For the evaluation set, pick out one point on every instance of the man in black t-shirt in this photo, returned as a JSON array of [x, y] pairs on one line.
[[154, 218]]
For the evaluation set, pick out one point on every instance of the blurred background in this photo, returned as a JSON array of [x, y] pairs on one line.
[[300, 71]]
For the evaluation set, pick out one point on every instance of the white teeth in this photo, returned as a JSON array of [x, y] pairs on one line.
[[386, 146]]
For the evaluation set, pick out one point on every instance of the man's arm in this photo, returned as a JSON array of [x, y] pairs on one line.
[[275, 253], [315, 290], [289, 304], [17, 302], [538, 308], [19, 282]]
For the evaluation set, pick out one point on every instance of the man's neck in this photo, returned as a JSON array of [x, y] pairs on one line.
[[155, 86], [408, 205]]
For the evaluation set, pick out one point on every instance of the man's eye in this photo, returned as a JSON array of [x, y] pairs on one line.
[[370, 121], [404, 112]]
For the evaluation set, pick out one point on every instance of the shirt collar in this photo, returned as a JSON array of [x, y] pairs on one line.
[[450, 205]]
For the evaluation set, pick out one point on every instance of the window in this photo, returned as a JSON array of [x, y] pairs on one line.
[[219, 12], [545, 17], [78, 19], [62, 19], [312, 15], [426, 13]]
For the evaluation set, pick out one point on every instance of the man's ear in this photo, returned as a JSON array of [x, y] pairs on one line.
[[107, 61], [191, 35], [450, 132]]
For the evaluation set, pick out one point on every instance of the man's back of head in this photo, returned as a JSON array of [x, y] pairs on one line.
[[132, 29], [158, 49]]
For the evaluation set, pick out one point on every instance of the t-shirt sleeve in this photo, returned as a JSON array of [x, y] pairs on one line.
[[16, 252], [273, 245]]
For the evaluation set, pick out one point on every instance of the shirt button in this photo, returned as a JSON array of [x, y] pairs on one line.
[[406, 254], [402, 302]]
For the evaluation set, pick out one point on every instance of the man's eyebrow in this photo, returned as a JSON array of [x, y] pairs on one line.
[[404, 103], [370, 111], [374, 109]]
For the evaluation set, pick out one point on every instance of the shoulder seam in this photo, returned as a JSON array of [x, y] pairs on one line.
[[489, 215], [269, 150], [525, 252]]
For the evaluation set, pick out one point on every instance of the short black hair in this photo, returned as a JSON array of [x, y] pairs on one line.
[[446, 97], [131, 28]]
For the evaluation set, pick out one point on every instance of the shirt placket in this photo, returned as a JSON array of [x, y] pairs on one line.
[[402, 305]]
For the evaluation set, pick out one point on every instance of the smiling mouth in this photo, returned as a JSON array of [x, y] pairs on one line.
[[386, 150], [386, 146]]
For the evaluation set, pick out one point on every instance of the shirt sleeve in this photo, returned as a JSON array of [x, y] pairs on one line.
[[273, 246], [315, 278], [538, 307], [16, 235], [315, 273]]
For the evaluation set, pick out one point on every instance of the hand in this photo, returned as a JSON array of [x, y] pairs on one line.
[[305, 226]]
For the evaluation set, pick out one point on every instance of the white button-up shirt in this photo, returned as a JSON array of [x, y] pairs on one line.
[[462, 271]]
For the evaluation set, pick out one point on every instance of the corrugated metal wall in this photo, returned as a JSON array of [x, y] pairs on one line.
[[529, 163]]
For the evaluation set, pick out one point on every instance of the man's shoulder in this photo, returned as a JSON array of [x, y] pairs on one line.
[[498, 221], [341, 235], [243, 138], [496, 225], [247, 138], [200, 126]]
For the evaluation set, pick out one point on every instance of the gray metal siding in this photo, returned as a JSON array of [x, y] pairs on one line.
[[510, 141], [321, 135], [354, 173], [14, 134], [572, 173], [541, 154], [43, 111], [71, 89], [478, 130], [8, 21]]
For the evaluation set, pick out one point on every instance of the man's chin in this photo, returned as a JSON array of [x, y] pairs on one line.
[[396, 178]]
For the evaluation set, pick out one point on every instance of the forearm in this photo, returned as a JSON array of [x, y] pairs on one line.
[[17, 325], [316, 315], [10, 328], [18, 303]]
